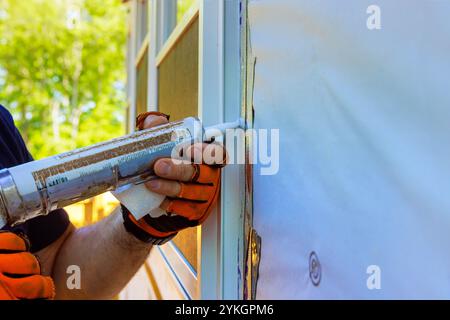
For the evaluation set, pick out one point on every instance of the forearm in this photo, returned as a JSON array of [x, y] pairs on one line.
[[107, 255]]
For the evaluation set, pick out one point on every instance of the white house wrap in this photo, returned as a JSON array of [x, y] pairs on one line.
[[364, 181]]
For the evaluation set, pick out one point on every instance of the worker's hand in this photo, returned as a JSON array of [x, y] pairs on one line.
[[20, 276], [191, 189]]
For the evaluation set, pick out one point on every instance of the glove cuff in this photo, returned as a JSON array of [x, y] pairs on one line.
[[140, 233]]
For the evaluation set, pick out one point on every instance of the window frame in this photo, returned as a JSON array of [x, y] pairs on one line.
[[220, 240]]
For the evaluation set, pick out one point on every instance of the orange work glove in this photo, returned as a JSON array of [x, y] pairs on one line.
[[189, 208], [20, 271]]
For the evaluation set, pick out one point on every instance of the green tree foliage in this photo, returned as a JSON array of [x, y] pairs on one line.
[[62, 71], [182, 7]]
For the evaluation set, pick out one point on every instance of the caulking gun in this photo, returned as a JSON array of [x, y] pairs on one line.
[[120, 165]]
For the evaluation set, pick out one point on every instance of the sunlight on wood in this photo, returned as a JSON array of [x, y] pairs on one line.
[[92, 210]]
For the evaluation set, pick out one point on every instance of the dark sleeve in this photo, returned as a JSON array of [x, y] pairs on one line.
[[12, 146], [43, 230]]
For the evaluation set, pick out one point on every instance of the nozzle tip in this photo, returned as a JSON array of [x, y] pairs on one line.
[[242, 123]]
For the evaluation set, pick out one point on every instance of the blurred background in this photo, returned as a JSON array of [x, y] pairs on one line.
[[63, 78]]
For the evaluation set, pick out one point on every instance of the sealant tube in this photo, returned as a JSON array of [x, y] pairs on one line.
[[38, 187]]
